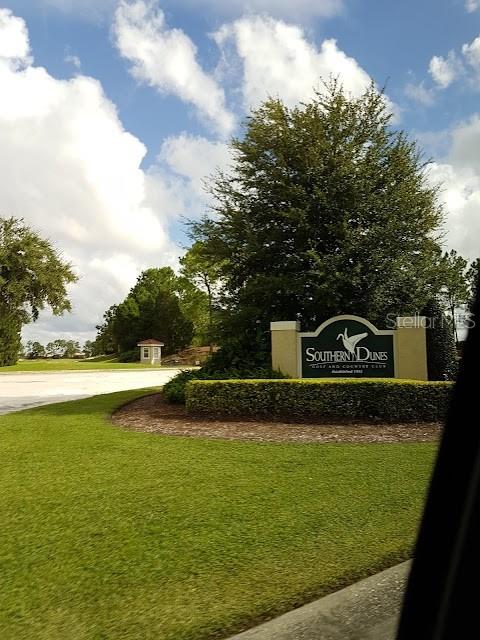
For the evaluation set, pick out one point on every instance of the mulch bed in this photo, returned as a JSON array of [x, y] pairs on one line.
[[153, 415]]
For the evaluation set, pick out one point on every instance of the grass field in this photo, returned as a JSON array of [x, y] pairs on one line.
[[67, 364], [115, 535]]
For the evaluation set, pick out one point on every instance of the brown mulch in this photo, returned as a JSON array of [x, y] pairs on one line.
[[153, 415]]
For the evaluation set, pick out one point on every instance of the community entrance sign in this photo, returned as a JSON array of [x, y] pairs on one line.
[[351, 347], [347, 347]]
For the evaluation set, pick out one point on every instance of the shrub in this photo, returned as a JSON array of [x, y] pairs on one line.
[[130, 356], [174, 389], [442, 358], [374, 399], [242, 355]]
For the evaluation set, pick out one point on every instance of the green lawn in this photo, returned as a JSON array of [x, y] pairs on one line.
[[114, 535], [67, 364]]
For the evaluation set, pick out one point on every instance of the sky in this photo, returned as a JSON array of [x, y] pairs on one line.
[[112, 113]]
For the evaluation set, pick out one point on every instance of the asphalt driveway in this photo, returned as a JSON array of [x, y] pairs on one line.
[[25, 390]]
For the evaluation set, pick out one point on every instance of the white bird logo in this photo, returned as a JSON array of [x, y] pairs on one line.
[[351, 343]]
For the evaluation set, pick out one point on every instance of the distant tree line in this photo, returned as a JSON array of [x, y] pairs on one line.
[[34, 350]]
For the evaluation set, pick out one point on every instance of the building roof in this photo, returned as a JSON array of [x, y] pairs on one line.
[[150, 343]]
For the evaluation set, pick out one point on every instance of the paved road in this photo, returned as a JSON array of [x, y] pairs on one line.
[[25, 390]]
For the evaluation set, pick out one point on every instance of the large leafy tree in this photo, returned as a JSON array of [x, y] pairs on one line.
[[326, 209], [204, 272], [34, 350], [105, 341], [160, 304], [33, 276], [455, 291], [89, 349], [152, 310], [63, 348]]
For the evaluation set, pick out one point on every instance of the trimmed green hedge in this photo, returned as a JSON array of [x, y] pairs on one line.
[[373, 399], [174, 390]]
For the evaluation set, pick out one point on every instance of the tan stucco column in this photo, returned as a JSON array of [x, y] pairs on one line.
[[284, 347], [411, 348]]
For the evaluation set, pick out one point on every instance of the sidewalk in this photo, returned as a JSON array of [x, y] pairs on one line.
[[367, 610]]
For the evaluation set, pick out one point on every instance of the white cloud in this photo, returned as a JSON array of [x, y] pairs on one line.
[[14, 43], [70, 169], [73, 60], [194, 158], [459, 175], [444, 70], [278, 60], [472, 53], [465, 65], [421, 94], [472, 5], [166, 59]]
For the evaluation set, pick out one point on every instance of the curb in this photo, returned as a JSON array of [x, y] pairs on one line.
[[366, 610]]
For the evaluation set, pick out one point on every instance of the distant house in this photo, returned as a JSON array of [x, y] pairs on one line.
[[150, 351]]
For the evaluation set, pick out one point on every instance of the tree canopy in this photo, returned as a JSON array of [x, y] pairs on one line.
[[455, 291], [33, 276], [326, 209], [473, 276], [203, 273], [152, 309]]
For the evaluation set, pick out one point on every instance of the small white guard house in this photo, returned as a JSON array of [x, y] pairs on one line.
[[151, 351]]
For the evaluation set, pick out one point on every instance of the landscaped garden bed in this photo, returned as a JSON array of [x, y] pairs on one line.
[[152, 414]]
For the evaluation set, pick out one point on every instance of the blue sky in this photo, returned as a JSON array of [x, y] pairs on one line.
[[115, 110], [393, 41]]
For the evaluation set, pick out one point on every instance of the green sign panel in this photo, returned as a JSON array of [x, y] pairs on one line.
[[347, 347]]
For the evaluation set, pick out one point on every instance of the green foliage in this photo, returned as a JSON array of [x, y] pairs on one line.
[[152, 310], [105, 342], [375, 399], [63, 348], [32, 276], [246, 354], [89, 349], [130, 356], [473, 277], [194, 306], [161, 305], [113, 535], [204, 272], [442, 359], [326, 210], [455, 286], [174, 390], [10, 338], [34, 350]]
